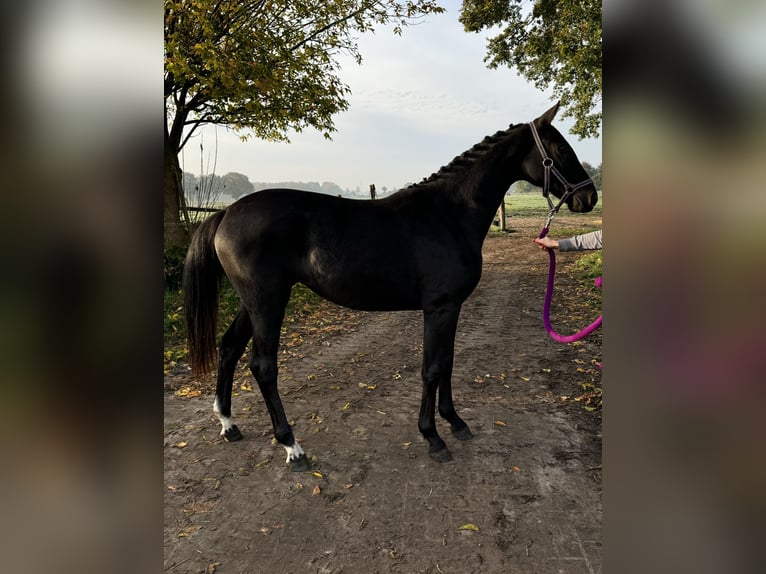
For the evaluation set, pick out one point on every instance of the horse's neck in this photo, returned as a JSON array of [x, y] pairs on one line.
[[485, 186]]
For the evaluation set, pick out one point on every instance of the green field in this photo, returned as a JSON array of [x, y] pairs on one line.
[[535, 204]]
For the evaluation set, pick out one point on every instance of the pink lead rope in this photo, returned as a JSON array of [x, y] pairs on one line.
[[547, 306]]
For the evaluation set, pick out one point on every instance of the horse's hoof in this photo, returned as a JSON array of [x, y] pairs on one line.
[[463, 433], [443, 455], [232, 434], [300, 464]]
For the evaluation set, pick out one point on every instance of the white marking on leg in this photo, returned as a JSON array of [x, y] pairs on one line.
[[226, 423], [293, 452]]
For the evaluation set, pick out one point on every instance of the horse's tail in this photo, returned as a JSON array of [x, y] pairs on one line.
[[201, 280]]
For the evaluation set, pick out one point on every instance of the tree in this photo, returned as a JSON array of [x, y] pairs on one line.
[[262, 68], [552, 43], [594, 173], [523, 186], [235, 185]]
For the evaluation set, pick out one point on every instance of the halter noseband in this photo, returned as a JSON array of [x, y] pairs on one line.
[[548, 169]]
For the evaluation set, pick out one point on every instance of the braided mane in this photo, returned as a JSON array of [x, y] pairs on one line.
[[467, 158]]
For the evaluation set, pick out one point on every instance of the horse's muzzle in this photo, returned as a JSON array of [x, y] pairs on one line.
[[583, 200]]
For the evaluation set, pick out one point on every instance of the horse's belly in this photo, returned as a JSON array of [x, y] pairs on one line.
[[366, 286]]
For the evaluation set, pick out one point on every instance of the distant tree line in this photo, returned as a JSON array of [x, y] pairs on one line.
[[212, 190]]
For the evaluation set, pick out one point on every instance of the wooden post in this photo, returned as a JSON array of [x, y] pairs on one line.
[[503, 226]]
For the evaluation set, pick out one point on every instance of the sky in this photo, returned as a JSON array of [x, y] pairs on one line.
[[417, 101]]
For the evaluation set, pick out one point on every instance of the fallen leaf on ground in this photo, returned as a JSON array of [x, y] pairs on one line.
[[500, 423], [180, 444], [316, 491], [469, 526]]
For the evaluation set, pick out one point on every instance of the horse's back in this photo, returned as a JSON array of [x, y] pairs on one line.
[[283, 220], [349, 251]]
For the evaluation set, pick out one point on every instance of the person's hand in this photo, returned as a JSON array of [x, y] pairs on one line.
[[546, 243]]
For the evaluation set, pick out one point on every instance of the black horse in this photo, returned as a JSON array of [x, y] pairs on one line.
[[419, 248]]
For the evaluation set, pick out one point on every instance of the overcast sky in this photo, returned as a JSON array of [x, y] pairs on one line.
[[417, 101]]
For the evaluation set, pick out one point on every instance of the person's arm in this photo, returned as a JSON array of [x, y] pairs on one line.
[[582, 242]]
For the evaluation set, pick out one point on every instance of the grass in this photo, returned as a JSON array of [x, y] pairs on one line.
[[589, 266], [534, 204], [525, 204]]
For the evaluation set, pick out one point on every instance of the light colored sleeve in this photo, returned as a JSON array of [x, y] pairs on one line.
[[582, 242]]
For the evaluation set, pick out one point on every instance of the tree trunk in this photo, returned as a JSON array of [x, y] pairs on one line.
[[175, 231]]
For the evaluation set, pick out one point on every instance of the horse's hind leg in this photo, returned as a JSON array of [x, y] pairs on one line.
[[233, 345], [263, 364]]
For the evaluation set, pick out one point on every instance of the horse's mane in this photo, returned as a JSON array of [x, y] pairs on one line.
[[467, 158]]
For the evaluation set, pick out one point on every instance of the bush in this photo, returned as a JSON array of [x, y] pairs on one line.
[[589, 266], [174, 267]]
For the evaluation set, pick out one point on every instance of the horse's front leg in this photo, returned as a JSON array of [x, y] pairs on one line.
[[447, 411], [439, 329]]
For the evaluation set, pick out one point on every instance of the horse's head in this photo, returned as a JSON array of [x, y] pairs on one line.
[[553, 165]]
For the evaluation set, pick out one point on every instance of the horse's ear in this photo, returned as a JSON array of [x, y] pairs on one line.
[[547, 117]]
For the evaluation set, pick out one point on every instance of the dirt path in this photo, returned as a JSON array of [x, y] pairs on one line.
[[530, 481]]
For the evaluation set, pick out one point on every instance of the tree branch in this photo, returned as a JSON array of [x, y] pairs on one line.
[[326, 27]]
